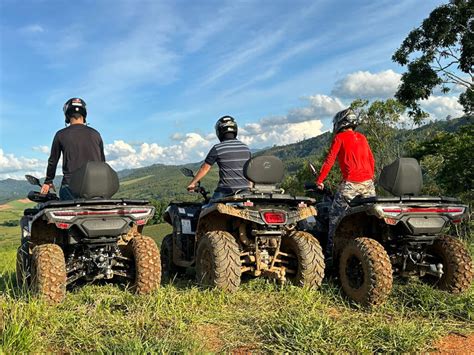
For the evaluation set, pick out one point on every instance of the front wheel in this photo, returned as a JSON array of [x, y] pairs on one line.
[[147, 265], [218, 261], [457, 265], [169, 270], [365, 271], [308, 263], [48, 273]]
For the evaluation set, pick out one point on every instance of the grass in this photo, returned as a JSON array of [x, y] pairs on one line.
[[261, 316]]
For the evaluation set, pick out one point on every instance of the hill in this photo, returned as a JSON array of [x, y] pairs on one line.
[[165, 182]]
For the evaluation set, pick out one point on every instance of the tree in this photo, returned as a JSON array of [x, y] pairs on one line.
[[380, 121], [439, 53]]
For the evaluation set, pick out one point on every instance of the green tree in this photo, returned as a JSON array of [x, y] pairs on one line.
[[439, 53], [160, 207], [380, 122], [447, 158]]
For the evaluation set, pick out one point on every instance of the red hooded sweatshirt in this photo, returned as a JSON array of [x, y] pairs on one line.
[[354, 155]]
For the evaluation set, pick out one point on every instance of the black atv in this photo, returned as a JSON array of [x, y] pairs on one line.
[[94, 237], [401, 235], [251, 232]]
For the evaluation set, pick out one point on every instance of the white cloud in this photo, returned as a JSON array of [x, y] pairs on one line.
[[15, 167], [257, 135], [440, 107], [364, 84], [42, 148]]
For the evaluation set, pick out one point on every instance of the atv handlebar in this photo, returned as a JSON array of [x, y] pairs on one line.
[[312, 187]]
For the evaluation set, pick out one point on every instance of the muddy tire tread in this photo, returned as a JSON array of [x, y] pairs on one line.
[[147, 265], [49, 275], [379, 270], [311, 260], [226, 262], [459, 278]]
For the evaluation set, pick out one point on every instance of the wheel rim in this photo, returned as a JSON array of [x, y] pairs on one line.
[[355, 272]]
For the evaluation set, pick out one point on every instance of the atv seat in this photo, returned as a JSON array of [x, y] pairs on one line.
[[94, 180], [265, 172]]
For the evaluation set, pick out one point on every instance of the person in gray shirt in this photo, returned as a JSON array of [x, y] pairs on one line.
[[77, 143], [230, 155]]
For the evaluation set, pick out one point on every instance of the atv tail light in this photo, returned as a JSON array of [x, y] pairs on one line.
[[274, 217], [395, 211], [62, 225], [141, 222], [133, 212], [248, 204]]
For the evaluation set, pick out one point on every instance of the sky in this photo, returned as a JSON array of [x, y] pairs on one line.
[[156, 75]]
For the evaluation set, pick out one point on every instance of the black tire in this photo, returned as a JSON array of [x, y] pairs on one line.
[[457, 265], [22, 274], [169, 270], [309, 263], [218, 261], [365, 271], [48, 273], [147, 265]]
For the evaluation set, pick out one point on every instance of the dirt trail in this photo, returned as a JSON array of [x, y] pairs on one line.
[[5, 207], [455, 344]]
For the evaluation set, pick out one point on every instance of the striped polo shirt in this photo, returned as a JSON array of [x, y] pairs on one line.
[[231, 156]]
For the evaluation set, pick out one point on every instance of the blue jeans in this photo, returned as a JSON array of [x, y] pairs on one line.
[[218, 195], [65, 193]]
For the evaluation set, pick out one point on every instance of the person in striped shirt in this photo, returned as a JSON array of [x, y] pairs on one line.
[[230, 155]]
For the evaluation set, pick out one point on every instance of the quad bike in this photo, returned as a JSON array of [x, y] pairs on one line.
[[379, 237], [251, 232], [94, 237]]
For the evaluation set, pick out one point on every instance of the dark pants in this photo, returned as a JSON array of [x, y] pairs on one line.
[[65, 193]]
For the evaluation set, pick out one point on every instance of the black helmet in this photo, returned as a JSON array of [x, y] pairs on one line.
[[75, 105], [345, 119], [225, 124]]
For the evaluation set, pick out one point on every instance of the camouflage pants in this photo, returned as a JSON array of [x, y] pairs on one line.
[[346, 192]]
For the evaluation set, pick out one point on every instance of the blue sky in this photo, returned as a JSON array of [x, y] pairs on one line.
[[156, 75]]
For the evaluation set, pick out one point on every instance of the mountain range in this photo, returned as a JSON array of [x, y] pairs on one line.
[[166, 182]]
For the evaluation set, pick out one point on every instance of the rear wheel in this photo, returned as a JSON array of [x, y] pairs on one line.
[[365, 271], [308, 261], [147, 265], [169, 270], [22, 271], [48, 273], [457, 265], [218, 261]]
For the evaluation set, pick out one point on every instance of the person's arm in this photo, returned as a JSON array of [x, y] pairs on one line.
[[329, 162], [52, 165], [203, 170]]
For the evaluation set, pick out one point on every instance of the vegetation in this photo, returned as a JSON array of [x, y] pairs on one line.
[[439, 53]]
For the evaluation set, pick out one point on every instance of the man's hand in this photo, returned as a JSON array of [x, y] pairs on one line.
[[45, 189], [191, 187], [320, 186]]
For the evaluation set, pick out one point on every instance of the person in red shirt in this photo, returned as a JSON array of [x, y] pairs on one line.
[[356, 162]]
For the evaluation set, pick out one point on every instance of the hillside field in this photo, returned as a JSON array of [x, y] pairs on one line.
[[261, 316]]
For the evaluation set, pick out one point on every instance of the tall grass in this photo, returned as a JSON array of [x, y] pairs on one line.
[[261, 316]]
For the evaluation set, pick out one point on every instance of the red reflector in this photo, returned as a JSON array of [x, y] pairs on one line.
[[390, 221], [63, 225], [274, 217], [141, 222], [248, 204], [456, 221]]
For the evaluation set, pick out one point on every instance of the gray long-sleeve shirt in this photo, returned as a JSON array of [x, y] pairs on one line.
[[78, 144]]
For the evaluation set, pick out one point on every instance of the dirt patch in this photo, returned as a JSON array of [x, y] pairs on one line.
[[210, 335], [5, 207], [455, 344], [24, 200]]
